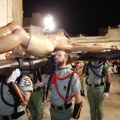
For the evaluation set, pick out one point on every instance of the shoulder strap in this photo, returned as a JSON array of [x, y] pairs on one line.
[[91, 67], [103, 70], [20, 61], [48, 86], [37, 76], [18, 79], [15, 105], [68, 88], [3, 97]]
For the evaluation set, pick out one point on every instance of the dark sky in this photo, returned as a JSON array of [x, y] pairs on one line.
[[77, 16]]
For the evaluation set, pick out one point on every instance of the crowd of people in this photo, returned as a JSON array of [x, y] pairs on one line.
[[115, 66], [82, 73], [60, 97]]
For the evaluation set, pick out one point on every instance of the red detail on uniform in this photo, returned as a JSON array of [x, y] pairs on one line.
[[53, 81], [57, 77], [54, 77], [65, 99]]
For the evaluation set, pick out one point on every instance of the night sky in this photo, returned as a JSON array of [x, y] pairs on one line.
[[77, 16]]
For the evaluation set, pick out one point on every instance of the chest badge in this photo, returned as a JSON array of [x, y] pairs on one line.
[[64, 88]]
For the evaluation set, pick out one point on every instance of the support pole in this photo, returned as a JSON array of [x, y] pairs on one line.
[[6, 66]]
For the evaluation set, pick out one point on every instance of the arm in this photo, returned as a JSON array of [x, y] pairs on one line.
[[77, 106], [39, 84], [61, 42], [20, 95], [78, 101], [108, 82], [108, 77], [77, 97], [45, 81], [14, 35], [107, 85], [27, 97], [90, 47], [26, 86]]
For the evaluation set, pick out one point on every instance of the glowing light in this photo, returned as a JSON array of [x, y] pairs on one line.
[[49, 24]]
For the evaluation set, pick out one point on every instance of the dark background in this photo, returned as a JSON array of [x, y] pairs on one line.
[[77, 16]]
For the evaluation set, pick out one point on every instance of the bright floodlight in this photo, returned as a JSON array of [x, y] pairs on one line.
[[49, 24]]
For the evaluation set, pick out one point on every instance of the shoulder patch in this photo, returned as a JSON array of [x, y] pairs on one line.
[[27, 81]]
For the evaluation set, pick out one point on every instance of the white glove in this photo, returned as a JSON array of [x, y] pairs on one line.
[[105, 94], [15, 74], [72, 118]]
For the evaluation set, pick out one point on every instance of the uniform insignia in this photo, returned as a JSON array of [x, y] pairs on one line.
[[64, 88], [27, 82]]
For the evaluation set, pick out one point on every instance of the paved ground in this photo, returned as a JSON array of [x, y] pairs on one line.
[[111, 104]]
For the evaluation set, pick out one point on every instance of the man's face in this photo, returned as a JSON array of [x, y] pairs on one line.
[[60, 58]]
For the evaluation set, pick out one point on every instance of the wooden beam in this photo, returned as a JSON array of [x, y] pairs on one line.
[[109, 55], [6, 66]]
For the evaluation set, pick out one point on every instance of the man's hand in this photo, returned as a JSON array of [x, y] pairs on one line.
[[72, 118], [39, 84], [105, 94], [15, 74]]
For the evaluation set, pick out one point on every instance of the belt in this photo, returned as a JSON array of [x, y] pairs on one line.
[[96, 85], [61, 107], [37, 89], [13, 116]]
